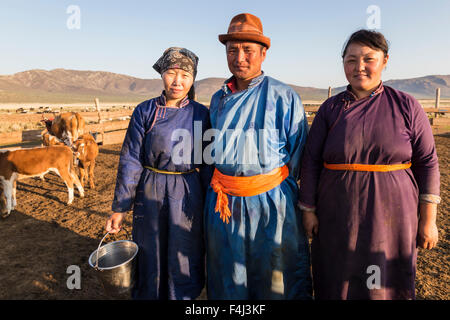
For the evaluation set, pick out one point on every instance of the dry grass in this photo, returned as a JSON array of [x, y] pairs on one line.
[[21, 126]]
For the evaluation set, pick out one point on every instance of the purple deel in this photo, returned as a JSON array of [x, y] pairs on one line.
[[366, 243]]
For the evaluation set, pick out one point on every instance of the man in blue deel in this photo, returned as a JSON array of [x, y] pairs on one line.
[[255, 243]]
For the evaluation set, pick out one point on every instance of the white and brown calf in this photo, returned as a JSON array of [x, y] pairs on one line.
[[86, 150], [24, 163], [49, 140]]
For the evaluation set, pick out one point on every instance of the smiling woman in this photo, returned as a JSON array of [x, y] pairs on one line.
[[179, 65], [166, 196], [365, 56], [177, 85], [369, 167]]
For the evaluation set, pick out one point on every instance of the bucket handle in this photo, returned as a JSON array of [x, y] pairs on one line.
[[100, 244]]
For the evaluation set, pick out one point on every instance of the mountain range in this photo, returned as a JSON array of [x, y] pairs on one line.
[[74, 86]]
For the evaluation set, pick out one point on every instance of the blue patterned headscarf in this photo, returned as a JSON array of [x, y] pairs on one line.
[[177, 58]]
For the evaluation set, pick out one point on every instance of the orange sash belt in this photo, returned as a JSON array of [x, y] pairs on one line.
[[243, 187], [367, 167]]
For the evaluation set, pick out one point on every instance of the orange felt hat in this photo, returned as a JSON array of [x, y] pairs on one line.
[[245, 27]]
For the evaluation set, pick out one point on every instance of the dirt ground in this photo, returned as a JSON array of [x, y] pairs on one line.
[[44, 236]]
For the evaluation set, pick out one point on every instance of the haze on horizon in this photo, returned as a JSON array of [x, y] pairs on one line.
[[307, 38]]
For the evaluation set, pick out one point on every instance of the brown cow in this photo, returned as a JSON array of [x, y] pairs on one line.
[[86, 150], [68, 127], [24, 163]]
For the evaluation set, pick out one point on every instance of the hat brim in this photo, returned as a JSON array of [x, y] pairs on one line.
[[244, 36]]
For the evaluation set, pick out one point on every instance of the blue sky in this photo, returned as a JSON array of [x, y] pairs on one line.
[[307, 36]]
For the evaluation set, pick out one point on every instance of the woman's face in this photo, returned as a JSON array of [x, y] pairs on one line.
[[363, 66], [177, 83]]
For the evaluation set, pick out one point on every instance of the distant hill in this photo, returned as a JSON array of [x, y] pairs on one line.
[[71, 86], [207, 87], [420, 88], [423, 87], [74, 86]]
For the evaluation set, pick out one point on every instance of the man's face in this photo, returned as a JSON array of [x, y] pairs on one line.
[[245, 59]]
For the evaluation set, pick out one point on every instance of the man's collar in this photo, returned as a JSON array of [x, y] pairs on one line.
[[230, 85]]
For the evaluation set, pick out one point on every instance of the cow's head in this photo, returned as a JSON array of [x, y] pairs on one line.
[[50, 140], [79, 151], [48, 123], [79, 148], [67, 139]]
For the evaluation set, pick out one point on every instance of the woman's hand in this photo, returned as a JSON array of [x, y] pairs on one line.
[[427, 233], [310, 223], [114, 222]]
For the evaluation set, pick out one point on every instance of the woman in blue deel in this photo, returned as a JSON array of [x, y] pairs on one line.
[[161, 177]]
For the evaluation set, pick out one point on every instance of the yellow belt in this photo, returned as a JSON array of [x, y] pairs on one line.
[[168, 172], [366, 167]]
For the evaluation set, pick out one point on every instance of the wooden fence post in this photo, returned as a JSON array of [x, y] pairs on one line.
[[97, 106], [329, 92], [438, 97]]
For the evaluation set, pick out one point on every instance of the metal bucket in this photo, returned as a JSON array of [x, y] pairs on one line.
[[115, 265]]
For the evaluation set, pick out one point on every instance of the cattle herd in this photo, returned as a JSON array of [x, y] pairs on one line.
[[65, 146]]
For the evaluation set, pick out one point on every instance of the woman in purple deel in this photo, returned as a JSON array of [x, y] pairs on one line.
[[369, 184]]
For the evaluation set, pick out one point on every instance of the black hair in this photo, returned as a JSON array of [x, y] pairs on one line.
[[370, 38], [191, 93]]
